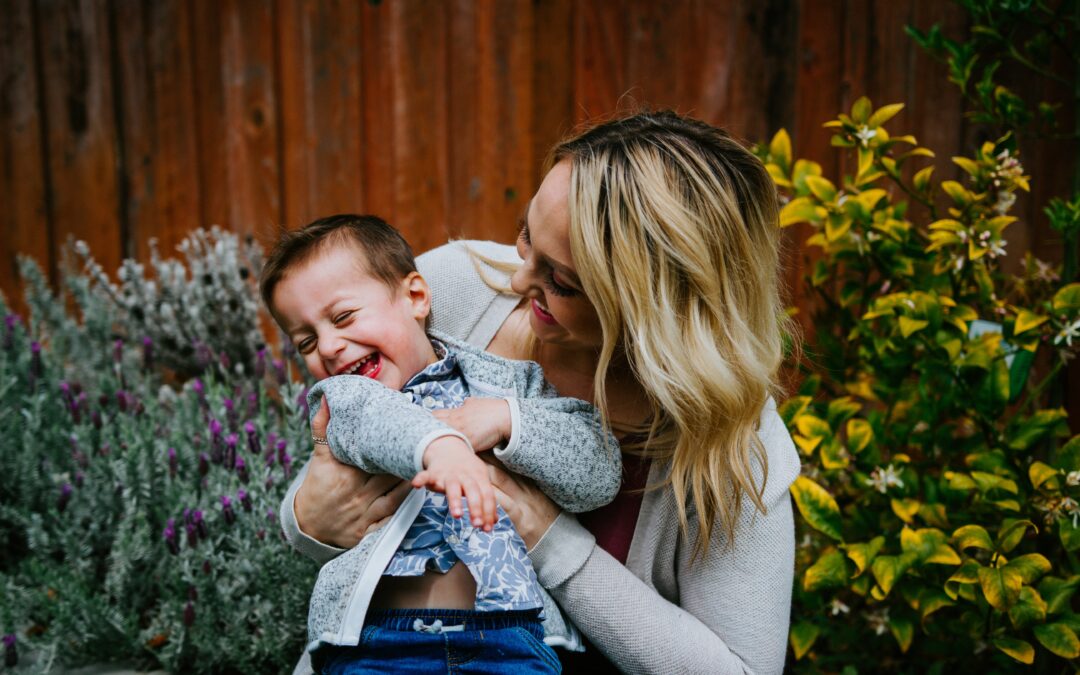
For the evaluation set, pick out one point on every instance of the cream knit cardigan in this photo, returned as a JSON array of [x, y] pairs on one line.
[[725, 612]]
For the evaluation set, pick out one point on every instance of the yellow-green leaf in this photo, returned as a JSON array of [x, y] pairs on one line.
[[1041, 473], [973, 536], [830, 571], [1012, 532], [822, 188], [909, 326], [955, 190], [922, 179], [866, 163], [944, 555], [1001, 586], [887, 569], [1067, 299], [817, 507], [1029, 609], [1018, 649], [967, 165], [1058, 638], [905, 509], [1026, 320], [860, 111], [903, 630], [859, 435], [800, 210], [802, 637], [884, 114], [812, 426], [780, 149], [967, 575], [930, 601], [863, 554], [833, 455], [836, 226], [1030, 566]]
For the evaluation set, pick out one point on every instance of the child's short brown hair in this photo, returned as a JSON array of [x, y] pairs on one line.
[[388, 256]]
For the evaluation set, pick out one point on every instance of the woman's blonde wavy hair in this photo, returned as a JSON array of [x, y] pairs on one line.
[[674, 235]]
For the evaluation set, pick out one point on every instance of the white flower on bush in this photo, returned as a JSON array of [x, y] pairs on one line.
[[883, 479], [1068, 333], [1005, 201], [838, 607], [864, 134], [1072, 479], [878, 620]]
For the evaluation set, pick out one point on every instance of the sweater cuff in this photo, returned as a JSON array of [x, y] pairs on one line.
[[428, 439], [304, 544], [562, 551], [506, 452]]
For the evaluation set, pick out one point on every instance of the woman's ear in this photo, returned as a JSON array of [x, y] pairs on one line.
[[419, 295]]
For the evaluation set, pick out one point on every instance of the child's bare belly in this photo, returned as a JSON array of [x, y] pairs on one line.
[[454, 590]]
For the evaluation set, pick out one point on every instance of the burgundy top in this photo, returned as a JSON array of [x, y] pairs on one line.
[[613, 526]]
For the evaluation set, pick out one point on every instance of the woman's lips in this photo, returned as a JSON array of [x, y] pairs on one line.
[[542, 314]]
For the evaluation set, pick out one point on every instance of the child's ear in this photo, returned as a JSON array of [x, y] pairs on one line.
[[416, 289]]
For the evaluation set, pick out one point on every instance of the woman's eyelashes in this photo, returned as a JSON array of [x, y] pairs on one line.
[[556, 288]]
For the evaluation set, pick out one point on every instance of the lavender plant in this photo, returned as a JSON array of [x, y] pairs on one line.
[[138, 517]]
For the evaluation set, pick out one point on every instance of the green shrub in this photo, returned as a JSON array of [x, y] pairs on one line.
[[939, 497], [141, 465]]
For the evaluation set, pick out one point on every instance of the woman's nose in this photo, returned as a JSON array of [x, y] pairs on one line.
[[524, 282]]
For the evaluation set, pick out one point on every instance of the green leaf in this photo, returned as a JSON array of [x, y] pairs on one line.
[[1058, 592], [1012, 532], [884, 114], [1030, 567], [930, 601], [859, 435], [1058, 638], [1018, 649], [812, 426], [1069, 534], [903, 629], [1028, 610], [905, 509], [802, 637], [860, 111], [967, 575], [863, 554], [973, 536], [967, 165], [909, 326], [1067, 299], [780, 149], [1037, 427], [800, 210], [822, 188], [1043, 474], [817, 506], [1026, 320], [955, 190], [830, 571], [1001, 586], [887, 569], [1067, 457], [1018, 373], [793, 407], [922, 179], [926, 543]]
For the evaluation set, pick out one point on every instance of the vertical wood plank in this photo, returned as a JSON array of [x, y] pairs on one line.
[[599, 52], [553, 81], [418, 38], [379, 120], [24, 225], [80, 126], [209, 85], [319, 56]]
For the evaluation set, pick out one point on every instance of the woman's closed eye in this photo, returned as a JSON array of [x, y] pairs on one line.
[[556, 288]]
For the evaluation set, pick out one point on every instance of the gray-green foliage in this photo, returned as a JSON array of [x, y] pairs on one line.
[[112, 548]]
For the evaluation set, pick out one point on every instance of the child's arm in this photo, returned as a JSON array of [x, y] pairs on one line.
[[380, 431], [558, 442]]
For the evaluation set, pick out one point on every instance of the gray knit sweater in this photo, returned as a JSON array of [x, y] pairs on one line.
[[726, 612]]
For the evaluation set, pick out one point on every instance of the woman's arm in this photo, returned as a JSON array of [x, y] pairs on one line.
[[726, 612]]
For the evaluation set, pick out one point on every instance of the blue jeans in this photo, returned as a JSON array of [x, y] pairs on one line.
[[444, 641]]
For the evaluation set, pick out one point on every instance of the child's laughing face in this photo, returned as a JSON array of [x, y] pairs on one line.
[[343, 320]]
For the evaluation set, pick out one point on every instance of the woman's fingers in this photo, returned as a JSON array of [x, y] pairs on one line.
[[320, 421]]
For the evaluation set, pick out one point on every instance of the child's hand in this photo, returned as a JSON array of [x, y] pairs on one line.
[[452, 468], [484, 421]]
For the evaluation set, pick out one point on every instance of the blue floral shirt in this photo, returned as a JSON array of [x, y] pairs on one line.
[[497, 560]]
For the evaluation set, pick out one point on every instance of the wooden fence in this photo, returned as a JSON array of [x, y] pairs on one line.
[[123, 120]]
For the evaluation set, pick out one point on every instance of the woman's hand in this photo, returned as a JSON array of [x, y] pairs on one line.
[[484, 421], [339, 504], [531, 511]]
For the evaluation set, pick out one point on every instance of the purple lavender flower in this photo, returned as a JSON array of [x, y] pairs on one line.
[[192, 534], [245, 499], [169, 535], [286, 465], [241, 470], [224, 360], [271, 516], [36, 368], [252, 404], [10, 321], [189, 614], [65, 497], [227, 510], [200, 525], [78, 407], [216, 450], [206, 568], [279, 372], [204, 463], [147, 353], [172, 462], [192, 593], [230, 412], [118, 351], [260, 363], [254, 446], [11, 656], [80, 477], [301, 402], [269, 482], [65, 393], [261, 534], [281, 454], [230, 450], [95, 419], [122, 400]]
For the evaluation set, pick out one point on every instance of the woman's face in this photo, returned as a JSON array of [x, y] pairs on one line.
[[559, 312]]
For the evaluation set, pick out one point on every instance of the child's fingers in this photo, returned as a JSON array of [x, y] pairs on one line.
[[421, 479], [453, 498]]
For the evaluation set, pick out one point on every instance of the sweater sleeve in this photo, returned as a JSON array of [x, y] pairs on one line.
[[727, 612], [561, 444]]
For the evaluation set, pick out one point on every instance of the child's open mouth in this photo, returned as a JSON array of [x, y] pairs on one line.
[[369, 366]]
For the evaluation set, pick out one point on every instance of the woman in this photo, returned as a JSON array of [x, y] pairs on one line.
[[649, 286]]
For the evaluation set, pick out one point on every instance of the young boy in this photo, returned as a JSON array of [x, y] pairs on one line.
[[448, 578]]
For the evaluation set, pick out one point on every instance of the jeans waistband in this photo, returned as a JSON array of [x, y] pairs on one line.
[[445, 620]]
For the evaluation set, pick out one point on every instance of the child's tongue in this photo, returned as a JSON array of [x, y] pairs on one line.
[[371, 366]]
